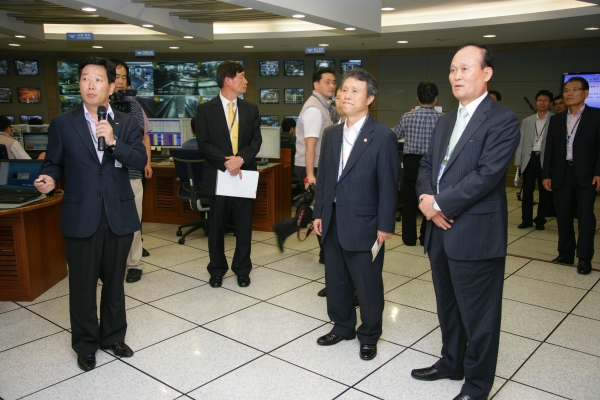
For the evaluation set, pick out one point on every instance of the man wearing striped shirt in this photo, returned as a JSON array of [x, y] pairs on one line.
[[415, 128]]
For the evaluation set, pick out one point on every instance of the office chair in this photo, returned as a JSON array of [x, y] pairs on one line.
[[3, 152], [189, 165]]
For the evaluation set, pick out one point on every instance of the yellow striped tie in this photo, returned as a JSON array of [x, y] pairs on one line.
[[234, 128]]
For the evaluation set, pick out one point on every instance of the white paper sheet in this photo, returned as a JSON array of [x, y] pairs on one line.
[[517, 176], [233, 186]]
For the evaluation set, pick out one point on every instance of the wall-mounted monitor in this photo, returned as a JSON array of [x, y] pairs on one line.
[[166, 132], [324, 64], [5, 95], [38, 120], [3, 66], [593, 79], [270, 147], [347, 65], [269, 96], [293, 68], [29, 95], [35, 141], [11, 118], [43, 128], [26, 67], [269, 120], [294, 117], [294, 96], [268, 68]]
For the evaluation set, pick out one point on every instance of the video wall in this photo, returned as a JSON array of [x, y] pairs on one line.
[[166, 89]]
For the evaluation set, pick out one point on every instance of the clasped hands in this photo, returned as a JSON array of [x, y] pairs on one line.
[[234, 165], [438, 217], [381, 235]]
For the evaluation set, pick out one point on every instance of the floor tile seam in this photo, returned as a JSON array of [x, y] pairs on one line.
[[358, 390], [534, 305], [289, 273], [569, 348], [538, 345], [196, 326], [553, 283], [523, 336], [18, 306], [64, 380], [409, 306], [378, 368], [418, 340], [406, 276], [35, 340], [290, 290], [182, 274], [52, 322], [120, 359], [232, 339], [297, 312], [533, 387], [172, 294], [398, 250], [39, 302], [584, 316]]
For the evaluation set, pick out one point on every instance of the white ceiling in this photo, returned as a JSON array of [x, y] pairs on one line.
[[423, 23]]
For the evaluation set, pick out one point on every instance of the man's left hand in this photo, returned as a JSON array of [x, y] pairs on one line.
[[104, 129], [383, 236], [148, 171], [233, 163], [596, 181], [426, 206]]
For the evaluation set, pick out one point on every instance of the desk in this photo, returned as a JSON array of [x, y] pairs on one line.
[[272, 203], [32, 256]]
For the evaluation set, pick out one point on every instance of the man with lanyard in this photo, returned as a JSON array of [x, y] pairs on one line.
[[529, 159], [572, 172]]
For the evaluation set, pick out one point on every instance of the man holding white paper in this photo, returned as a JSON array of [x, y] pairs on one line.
[[228, 134]]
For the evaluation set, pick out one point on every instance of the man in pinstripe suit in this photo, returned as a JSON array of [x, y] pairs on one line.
[[462, 191]]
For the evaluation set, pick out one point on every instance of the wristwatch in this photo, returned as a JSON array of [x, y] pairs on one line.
[[113, 145]]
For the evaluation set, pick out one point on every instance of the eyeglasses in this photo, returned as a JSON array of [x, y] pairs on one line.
[[573, 90]]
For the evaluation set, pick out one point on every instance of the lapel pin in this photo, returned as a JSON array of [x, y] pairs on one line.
[[365, 140]]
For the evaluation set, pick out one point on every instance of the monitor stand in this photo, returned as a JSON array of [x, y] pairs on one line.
[[262, 162]]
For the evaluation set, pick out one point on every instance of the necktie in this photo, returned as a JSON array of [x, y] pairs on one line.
[[233, 128], [459, 127]]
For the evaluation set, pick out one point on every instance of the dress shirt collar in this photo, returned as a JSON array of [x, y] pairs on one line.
[[578, 112], [226, 102], [89, 117], [537, 117], [354, 130], [472, 106]]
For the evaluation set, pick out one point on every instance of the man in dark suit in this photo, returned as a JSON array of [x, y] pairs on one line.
[[228, 133], [355, 207], [98, 215], [572, 172], [463, 195]]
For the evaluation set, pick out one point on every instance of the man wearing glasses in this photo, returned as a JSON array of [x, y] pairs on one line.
[[572, 172]]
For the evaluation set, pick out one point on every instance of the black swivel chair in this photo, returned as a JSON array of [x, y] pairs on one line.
[[3, 152], [189, 165]]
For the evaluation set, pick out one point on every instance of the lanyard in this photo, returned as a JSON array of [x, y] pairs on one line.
[[351, 145], [233, 121], [573, 129], [538, 135]]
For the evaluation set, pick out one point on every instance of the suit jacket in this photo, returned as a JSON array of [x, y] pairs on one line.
[[214, 140], [366, 194], [525, 148], [586, 148], [472, 189], [90, 184]]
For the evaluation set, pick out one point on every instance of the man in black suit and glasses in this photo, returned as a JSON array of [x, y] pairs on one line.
[[462, 186], [98, 216], [572, 172], [228, 133]]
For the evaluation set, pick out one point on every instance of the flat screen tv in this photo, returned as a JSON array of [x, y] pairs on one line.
[[269, 120], [325, 64], [26, 67], [5, 95], [11, 118], [294, 96], [29, 95], [269, 68], [25, 119], [293, 68], [593, 79], [347, 65], [294, 117], [3, 66], [269, 96]]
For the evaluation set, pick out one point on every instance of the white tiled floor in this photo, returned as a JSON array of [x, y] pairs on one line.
[[193, 341]]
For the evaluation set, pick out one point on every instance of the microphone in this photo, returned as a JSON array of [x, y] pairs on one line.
[[101, 117]]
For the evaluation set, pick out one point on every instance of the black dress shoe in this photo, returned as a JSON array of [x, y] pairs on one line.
[[368, 351], [432, 374], [87, 362], [462, 396], [243, 281], [280, 240], [540, 227], [322, 292], [145, 252], [215, 281], [133, 275], [330, 339], [524, 226], [119, 349], [584, 267], [564, 260]]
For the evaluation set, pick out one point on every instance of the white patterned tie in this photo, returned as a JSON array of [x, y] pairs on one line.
[[459, 127]]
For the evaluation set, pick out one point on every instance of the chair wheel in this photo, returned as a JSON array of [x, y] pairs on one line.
[[178, 233], [181, 241]]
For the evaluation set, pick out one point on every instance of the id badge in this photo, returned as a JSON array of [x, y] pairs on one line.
[[118, 164]]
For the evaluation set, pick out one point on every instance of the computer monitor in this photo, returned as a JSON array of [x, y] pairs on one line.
[[38, 128], [270, 147], [11, 118], [25, 118], [166, 132], [35, 141]]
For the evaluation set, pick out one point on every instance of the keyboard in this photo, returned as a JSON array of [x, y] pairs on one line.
[[16, 198]]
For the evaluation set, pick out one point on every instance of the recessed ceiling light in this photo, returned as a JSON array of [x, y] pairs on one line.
[[298, 16], [350, 29], [402, 41], [14, 44], [188, 37], [248, 47], [148, 26], [388, 9], [97, 47], [94, 15], [323, 45], [88, 9], [248, 8], [592, 28], [20, 36], [489, 35], [174, 47]]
